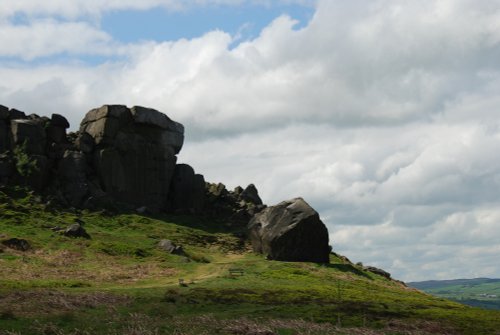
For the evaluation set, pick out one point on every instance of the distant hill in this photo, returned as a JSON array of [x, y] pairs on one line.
[[478, 292]]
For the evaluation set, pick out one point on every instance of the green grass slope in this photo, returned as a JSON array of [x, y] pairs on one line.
[[479, 292], [119, 282]]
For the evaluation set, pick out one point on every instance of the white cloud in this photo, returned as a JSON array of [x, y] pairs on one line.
[[382, 114], [47, 37]]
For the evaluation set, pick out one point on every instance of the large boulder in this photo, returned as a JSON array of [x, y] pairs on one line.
[[133, 152], [290, 231], [187, 190]]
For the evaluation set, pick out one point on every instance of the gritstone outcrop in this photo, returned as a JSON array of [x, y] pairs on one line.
[[120, 157], [125, 158], [290, 231]]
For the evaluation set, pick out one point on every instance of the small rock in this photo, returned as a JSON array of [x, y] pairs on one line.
[[170, 247], [76, 230], [17, 244], [59, 121], [378, 271]]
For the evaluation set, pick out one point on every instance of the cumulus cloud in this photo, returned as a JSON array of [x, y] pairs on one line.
[[382, 114], [44, 38]]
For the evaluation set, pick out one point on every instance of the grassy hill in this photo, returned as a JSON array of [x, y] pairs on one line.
[[119, 282], [479, 292]]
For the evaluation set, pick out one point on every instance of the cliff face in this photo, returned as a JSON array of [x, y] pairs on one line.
[[133, 153], [120, 156]]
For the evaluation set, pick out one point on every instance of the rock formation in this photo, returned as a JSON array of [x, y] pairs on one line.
[[134, 152], [290, 231], [221, 202], [125, 158], [120, 157], [29, 147]]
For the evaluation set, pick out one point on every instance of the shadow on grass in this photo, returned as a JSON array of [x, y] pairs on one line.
[[348, 268]]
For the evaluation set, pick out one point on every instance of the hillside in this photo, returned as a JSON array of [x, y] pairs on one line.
[[119, 282], [479, 292]]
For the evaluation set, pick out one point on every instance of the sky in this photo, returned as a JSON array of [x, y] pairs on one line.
[[382, 114]]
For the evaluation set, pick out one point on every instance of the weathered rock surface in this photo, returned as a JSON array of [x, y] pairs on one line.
[[4, 137], [15, 114], [4, 112], [121, 158], [290, 231], [6, 167], [29, 133], [76, 230], [187, 190], [232, 205], [171, 247], [39, 177], [250, 194], [378, 271], [17, 244], [134, 155], [72, 173]]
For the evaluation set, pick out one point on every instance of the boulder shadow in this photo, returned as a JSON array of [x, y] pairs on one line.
[[348, 268]]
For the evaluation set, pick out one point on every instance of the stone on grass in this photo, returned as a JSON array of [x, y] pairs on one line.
[[76, 230], [290, 231], [171, 247], [17, 244]]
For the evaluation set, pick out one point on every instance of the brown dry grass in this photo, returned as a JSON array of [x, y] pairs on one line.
[[208, 325], [70, 265], [140, 324], [50, 302]]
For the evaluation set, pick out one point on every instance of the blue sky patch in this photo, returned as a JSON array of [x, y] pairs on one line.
[[161, 25]]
